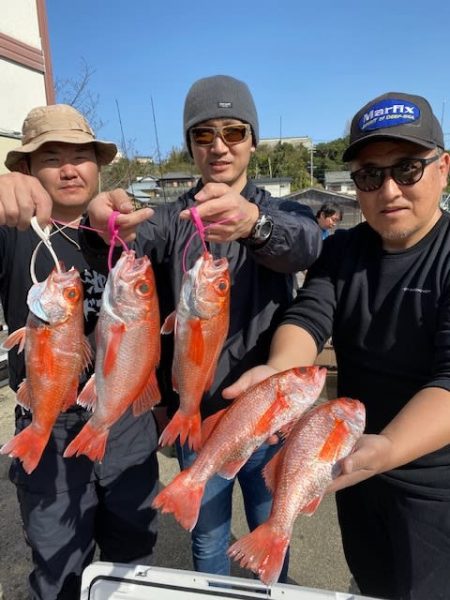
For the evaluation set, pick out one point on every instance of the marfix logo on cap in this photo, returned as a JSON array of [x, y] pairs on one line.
[[225, 105], [389, 113]]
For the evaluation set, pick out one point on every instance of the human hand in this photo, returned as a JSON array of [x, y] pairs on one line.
[[228, 215], [370, 456], [247, 380], [103, 205], [22, 197]]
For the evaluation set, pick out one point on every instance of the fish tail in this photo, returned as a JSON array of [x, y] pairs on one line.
[[262, 551], [188, 427], [182, 497], [27, 446], [89, 441]]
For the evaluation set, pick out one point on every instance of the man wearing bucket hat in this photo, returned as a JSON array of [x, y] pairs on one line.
[[69, 506], [265, 240], [382, 290]]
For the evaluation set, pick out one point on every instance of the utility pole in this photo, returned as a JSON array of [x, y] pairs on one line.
[[311, 164]]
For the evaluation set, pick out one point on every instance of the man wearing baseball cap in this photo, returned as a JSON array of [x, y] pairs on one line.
[[69, 506], [382, 291], [266, 240]]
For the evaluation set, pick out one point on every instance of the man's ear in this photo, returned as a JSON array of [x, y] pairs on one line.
[[23, 166]]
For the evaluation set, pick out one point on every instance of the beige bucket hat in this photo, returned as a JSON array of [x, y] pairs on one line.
[[57, 123]]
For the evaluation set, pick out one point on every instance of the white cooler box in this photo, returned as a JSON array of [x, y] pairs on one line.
[[115, 581]]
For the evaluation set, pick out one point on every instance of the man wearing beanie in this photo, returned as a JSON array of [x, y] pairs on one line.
[[266, 241], [382, 291], [69, 506]]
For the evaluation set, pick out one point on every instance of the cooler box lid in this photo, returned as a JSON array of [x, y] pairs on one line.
[[115, 581]]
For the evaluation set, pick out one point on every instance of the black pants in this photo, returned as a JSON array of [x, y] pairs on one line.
[[396, 542], [70, 506]]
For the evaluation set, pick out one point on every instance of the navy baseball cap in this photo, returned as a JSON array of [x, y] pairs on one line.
[[394, 116]]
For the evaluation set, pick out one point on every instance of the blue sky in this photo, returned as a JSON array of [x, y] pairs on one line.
[[310, 65]]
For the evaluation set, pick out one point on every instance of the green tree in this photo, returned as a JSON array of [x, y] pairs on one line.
[[282, 160], [178, 159], [328, 157], [123, 172]]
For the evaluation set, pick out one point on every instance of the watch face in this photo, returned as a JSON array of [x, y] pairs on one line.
[[265, 230]]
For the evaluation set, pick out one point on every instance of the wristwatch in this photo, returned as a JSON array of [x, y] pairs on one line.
[[262, 229]]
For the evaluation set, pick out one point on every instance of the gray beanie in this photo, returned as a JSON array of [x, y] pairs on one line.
[[219, 97]]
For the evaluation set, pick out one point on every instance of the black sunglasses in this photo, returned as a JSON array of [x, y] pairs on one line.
[[407, 171], [229, 134]]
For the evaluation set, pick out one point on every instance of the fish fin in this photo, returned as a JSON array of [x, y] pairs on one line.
[[89, 441], [271, 469], [71, 398], [196, 345], [229, 469], [334, 441], [148, 397], [114, 340], [16, 337], [23, 395], [209, 424], [182, 497], [86, 353], [285, 430], [185, 426], [88, 395], [310, 508], [27, 446], [262, 551], [169, 324], [278, 406]]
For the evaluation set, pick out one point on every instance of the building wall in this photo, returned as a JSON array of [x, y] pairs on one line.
[[276, 189], [25, 67]]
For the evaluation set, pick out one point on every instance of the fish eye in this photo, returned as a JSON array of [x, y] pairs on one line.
[[143, 288], [222, 285], [71, 294]]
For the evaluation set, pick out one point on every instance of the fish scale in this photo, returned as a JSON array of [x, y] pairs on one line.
[[128, 352], [56, 353], [298, 476], [236, 432]]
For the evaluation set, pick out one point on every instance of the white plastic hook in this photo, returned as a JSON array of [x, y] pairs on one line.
[[44, 234]]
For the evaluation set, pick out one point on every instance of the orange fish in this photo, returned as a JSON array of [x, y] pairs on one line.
[[56, 353], [298, 476], [127, 354], [236, 432], [201, 326]]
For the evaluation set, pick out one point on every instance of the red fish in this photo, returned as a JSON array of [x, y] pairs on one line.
[[298, 476], [200, 325], [235, 434], [56, 353], [127, 354]]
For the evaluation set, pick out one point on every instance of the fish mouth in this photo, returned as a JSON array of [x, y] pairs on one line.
[[128, 266], [48, 287], [219, 264]]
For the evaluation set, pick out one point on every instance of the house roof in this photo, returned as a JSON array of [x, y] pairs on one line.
[[274, 180]]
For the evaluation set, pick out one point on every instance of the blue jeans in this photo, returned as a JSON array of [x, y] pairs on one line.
[[211, 535]]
